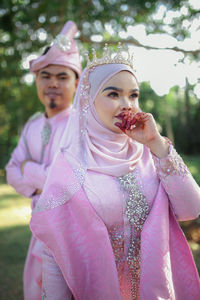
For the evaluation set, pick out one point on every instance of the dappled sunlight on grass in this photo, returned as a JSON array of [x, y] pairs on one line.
[[14, 209], [15, 213], [14, 245]]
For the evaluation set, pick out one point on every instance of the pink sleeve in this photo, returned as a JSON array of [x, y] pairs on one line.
[[13, 169], [36, 174], [182, 189], [54, 285]]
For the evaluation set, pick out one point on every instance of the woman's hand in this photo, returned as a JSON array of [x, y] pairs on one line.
[[144, 130]]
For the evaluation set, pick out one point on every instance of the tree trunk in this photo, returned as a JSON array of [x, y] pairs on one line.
[[187, 115]]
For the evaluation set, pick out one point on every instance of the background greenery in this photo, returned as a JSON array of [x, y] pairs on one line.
[[23, 21], [21, 25]]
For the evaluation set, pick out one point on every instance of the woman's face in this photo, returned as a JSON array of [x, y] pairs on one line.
[[120, 91]]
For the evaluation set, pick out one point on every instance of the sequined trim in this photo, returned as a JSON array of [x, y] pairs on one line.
[[44, 297], [45, 137], [117, 242], [80, 175], [46, 133], [62, 42], [137, 211], [58, 195], [136, 205], [173, 164]]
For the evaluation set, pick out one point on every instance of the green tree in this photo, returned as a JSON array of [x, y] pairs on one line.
[[27, 26]]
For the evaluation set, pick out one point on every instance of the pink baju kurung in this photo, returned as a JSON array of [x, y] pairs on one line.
[[109, 209], [78, 229], [38, 143]]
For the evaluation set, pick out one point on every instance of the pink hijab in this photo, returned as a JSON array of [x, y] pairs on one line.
[[63, 52], [98, 148]]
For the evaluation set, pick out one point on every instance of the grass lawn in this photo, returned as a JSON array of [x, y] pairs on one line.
[[15, 234], [14, 240]]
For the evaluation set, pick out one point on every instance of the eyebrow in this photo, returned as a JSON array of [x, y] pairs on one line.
[[117, 89], [58, 74]]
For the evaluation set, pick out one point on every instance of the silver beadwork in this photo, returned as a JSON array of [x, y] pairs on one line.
[[136, 205], [62, 42], [46, 134], [56, 196], [173, 164], [137, 211], [59, 194]]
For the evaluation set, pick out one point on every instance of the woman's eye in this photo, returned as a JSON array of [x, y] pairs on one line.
[[113, 95], [134, 96]]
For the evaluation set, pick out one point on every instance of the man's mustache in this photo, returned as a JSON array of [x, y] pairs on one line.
[[52, 91]]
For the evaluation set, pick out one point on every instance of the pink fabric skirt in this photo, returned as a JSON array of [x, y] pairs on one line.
[[32, 276]]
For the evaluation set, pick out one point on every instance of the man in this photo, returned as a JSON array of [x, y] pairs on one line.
[[57, 72]]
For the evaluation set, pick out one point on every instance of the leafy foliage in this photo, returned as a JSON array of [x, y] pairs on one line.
[[27, 26]]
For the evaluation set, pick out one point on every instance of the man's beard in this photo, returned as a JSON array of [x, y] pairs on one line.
[[52, 104]]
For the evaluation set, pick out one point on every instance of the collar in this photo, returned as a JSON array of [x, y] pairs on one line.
[[59, 116]]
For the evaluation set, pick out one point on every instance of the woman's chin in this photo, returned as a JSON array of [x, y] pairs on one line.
[[116, 129]]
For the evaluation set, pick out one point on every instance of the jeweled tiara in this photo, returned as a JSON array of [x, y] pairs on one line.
[[122, 56], [119, 57]]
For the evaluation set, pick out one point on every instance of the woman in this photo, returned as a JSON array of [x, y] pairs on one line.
[[109, 208]]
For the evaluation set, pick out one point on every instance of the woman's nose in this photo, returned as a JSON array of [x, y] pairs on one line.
[[126, 103]]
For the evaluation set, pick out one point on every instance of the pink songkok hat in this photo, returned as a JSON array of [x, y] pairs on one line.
[[63, 52]]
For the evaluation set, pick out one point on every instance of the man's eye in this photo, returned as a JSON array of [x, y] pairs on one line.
[[45, 76], [113, 95], [63, 78]]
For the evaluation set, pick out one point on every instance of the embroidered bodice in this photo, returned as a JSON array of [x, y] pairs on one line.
[[124, 209]]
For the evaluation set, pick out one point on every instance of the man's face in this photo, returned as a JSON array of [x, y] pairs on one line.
[[56, 86]]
